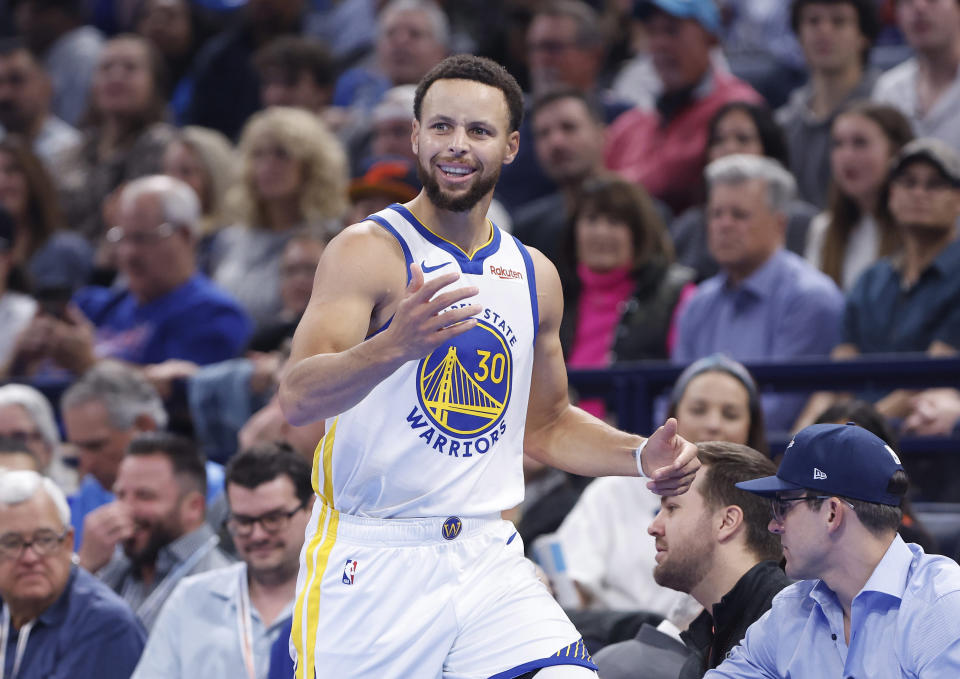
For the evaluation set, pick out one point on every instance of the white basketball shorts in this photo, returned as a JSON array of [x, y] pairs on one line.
[[423, 599]]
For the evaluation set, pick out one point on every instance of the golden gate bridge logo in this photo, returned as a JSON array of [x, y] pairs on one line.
[[464, 384]]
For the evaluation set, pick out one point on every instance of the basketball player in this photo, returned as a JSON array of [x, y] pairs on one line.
[[430, 347]]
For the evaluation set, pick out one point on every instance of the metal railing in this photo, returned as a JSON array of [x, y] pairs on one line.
[[634, 387]]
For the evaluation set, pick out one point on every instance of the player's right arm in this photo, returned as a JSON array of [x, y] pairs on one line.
[[360, 284]]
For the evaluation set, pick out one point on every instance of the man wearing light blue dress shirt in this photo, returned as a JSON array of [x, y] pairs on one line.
[[869, 605], [223, 623], [766, 303]]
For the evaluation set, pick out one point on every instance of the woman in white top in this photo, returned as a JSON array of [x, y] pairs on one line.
[[855, 232]]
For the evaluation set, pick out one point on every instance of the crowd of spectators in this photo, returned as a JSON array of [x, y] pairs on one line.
[[715, 180]]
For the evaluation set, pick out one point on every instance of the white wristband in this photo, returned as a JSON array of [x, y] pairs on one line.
[[636, 456]]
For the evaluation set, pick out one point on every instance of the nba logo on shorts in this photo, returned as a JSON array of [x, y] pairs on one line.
[[451, 528], [349, 570]]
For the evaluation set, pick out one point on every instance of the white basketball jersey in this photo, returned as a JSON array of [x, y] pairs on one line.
[[443, 435]]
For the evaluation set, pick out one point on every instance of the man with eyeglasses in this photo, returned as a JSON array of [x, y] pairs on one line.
[[224, 622], [909, 301], [26, 416], [15, 455], [56, 620], [869, 605], [565, 51], [712, 543], [164, 309]]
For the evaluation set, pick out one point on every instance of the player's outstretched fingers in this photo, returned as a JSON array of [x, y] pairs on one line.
[[426, 290], [447, 299], [458, 321]]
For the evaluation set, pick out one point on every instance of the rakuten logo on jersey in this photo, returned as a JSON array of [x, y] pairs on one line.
[[505, 273]]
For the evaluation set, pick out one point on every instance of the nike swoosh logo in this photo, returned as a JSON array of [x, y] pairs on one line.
[[428, 269]]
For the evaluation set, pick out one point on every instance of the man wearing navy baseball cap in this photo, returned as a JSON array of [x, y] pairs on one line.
[[868, 604]]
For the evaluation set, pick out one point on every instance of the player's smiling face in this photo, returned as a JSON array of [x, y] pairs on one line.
[[462, 140]]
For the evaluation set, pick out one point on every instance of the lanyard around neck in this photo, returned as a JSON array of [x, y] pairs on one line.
[[245, 624], [149, 608], [21, 644]]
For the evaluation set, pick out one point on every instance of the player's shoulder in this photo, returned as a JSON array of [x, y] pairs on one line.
[[366, 233], [363, 256], [543, 268], [364, 241], [549, 289]]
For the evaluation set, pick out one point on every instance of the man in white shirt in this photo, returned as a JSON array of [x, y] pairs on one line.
[[222, 623], [927, 87]]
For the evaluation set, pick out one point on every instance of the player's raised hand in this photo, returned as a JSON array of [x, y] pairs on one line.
[[424, 319], [669, 460]]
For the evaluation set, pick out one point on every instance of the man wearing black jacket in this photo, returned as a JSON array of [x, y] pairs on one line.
[[712, 543]]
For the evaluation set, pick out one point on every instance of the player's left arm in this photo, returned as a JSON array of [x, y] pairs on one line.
[[564, 436]]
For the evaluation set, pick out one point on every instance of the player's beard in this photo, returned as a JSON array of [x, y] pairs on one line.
[[461, 203]]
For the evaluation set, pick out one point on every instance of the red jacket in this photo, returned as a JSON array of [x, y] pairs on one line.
[[667, 157]]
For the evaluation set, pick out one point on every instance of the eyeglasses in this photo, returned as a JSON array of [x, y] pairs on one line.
[[552, 46], [22, 437], [272, 522], [909, 183], [779, 506], [44, 543], [118, 234]]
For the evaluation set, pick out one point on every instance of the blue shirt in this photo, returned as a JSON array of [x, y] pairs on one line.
[[197, 632], [88, 497], [881, 316], [783, 310], [91, 495], [88, 632], [905, 622], [281, 664], [196, 322], [360, 87]]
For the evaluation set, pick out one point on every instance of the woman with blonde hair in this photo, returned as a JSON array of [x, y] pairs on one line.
[[204, 159], [293, 175]]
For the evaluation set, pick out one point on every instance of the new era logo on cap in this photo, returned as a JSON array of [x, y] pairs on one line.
[[835, 459], [893, 455]]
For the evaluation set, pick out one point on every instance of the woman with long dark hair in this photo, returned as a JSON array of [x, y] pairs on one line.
[[52, 256], [855, 230], [125, 133]]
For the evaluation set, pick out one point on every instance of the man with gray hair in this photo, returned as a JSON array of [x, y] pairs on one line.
[[165, 309], [27, 417], [56, 619], [766, 304], [413, 36], [102, 413]]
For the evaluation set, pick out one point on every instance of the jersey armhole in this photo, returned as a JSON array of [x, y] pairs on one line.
[[532, 284]]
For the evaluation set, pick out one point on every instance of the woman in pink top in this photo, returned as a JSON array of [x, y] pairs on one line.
[[621, 287]]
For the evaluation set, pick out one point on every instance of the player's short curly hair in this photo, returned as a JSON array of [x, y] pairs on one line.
[[478, 69]]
